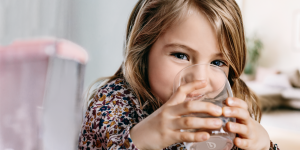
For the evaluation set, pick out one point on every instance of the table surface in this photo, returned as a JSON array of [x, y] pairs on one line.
[[285, 119], [283, 127]]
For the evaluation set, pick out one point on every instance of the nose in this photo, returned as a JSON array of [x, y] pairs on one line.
[[213, 76], [198, 72]]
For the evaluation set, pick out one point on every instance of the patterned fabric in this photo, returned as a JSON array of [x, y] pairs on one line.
[[273, 146], [109, 118]]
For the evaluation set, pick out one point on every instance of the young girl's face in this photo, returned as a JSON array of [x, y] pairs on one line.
[[192, 40]]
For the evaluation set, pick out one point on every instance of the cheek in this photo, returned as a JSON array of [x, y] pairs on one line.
[[161, 74]]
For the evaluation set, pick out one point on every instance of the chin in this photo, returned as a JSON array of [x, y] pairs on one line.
[[164, 98]]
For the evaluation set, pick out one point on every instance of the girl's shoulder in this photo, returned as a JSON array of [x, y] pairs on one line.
[[112, 112], [116, 95]]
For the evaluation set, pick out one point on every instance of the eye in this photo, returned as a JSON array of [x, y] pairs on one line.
[[218, 63], [180, 56]]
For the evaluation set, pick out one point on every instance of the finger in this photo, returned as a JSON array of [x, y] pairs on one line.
[[241, 143], [195, 107], [240, 129], [196, 123], [191, 136], [196, 94], [241, 114], [236, 102], [180, 95]]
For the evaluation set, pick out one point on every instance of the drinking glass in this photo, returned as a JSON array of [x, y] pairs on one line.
[[217, 91]]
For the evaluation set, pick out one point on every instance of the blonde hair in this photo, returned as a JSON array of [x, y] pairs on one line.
[[150, 18]]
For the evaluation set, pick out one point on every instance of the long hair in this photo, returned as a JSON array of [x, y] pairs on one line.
[[150, 18]]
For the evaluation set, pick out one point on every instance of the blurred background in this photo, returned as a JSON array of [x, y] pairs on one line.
[[35, 59]]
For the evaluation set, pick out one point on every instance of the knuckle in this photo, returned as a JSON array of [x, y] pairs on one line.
[[163, 117], [164, 135], [188, 105], [180, 89], [188, 122], [207, 122], [185, 137], [235, 111]]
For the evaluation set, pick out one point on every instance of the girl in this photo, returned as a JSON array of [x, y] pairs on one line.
[[137, 109]]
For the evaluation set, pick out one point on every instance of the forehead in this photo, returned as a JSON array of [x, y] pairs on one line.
[[195, 31]]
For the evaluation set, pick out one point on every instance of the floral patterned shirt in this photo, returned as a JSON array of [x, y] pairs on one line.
[[111, 114]]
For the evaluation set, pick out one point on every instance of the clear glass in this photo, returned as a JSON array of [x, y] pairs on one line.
[[217, 91]]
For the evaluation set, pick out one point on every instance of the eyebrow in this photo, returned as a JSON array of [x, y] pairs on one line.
[[188, 48]]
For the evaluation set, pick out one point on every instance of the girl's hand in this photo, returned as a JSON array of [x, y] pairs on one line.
[[162, 127], [252, 136]]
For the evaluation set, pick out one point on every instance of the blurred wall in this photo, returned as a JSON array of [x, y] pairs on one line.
[[99, 26], [34, 18], [274, 22]]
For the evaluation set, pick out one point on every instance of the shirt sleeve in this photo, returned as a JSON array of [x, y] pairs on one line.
[[107, 123], [273, 146]]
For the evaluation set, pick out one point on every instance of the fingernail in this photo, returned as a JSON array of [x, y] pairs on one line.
[[227, 111], [204, 137], [238, 141], [230, 101], [231, 125]]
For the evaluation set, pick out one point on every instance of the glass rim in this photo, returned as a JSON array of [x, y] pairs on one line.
[[195, 65]]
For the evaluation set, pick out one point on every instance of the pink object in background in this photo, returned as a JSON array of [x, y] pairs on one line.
[[41, 84]]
